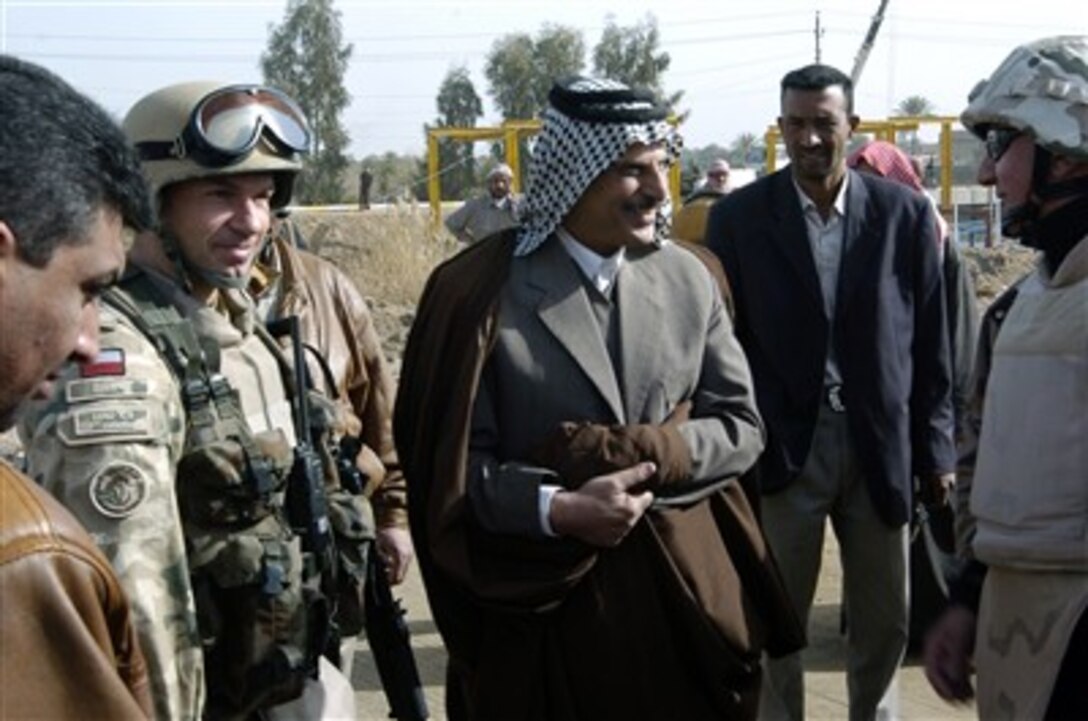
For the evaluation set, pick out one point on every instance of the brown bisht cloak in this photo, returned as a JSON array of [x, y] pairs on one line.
[[668, 625]]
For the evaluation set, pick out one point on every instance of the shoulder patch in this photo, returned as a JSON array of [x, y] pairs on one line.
[[117, 420], [128, 422], [93, 389], [108, 362], [118, 489]]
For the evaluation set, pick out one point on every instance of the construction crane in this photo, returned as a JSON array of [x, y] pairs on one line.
[[867, 44]]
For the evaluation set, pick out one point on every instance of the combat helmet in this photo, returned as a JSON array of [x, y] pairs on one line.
[[1040, 89], [206, 129]]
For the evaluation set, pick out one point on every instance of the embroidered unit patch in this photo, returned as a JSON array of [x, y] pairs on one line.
[[125, 421], [118, 489]]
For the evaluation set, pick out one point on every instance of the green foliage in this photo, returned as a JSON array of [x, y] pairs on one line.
[[632, 55], [307, 59], [458, 107], [509, 72], [520, 70], [560, 51]]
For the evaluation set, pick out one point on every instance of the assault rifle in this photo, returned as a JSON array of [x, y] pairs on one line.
[[386, 631], [387, 634], [307, 510]]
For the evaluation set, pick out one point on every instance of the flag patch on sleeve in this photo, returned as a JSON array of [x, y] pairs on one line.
[[108, 362]]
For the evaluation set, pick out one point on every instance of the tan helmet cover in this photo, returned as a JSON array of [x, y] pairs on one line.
[[1041, 88], [162, 116]]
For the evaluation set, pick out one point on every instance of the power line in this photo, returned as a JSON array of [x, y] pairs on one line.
[[928, 21], [40, 37], [352, 39], [742, 64], [233, 58]]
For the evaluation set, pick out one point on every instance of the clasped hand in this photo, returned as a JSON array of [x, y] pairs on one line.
[[603, 510]]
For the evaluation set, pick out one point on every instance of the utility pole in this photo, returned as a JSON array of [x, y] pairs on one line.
[[867, 44], [818, 32]]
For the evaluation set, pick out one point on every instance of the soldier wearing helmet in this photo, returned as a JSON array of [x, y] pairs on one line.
[[1039, 93], [212, 137], [182, 445], [1022, 502]]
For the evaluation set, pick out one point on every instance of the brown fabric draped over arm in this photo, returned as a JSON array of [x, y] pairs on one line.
[[511, 609], [443, 359]]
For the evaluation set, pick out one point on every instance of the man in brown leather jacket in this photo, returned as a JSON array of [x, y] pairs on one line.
[[69, 185], [335, 320]]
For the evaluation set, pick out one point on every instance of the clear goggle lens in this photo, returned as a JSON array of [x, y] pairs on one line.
[[228, 123], [232, 120]]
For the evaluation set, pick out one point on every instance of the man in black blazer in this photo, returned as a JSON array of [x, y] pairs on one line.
[[840, 309]]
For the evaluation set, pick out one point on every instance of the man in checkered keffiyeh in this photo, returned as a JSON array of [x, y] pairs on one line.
[[589, 125], [574, 413]]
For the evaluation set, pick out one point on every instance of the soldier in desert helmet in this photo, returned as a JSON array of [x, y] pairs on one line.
[[178, 445], [1021, 500]]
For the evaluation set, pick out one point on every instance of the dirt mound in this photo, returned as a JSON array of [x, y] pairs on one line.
[[390, 253], [995, 269]]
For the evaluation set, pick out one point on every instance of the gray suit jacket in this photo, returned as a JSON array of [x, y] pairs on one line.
[[550, 365]]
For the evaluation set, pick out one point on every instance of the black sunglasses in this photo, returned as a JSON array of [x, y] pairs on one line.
[[998, 141]]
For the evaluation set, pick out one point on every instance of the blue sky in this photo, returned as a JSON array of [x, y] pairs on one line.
[[727, 56]]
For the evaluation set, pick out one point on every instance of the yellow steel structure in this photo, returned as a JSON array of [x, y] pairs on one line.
[[510, 133], [888, 130]]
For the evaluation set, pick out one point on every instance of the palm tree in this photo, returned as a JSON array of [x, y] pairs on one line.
[[914, 106], [741, 148], [917, 106]]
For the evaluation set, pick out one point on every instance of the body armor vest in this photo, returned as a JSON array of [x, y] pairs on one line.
[[263, 606]]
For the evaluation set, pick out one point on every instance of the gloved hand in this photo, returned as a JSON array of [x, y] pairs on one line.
[[580, 451]]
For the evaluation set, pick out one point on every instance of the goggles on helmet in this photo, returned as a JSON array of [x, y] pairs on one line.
[[998, 140], [227, 124]]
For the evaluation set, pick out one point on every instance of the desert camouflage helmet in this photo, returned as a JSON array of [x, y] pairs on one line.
[[1041, 87], [161, 118]]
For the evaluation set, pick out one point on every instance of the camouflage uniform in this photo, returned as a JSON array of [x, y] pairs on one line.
[[177, 446], [1040, 88], [107, 447]]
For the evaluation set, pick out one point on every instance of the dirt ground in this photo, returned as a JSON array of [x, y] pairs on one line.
[[825, 657]]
